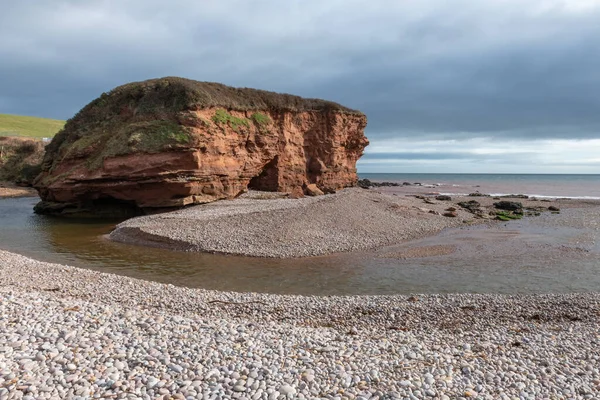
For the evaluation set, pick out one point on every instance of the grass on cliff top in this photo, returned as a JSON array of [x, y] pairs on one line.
[[18, 125], [180, 94]]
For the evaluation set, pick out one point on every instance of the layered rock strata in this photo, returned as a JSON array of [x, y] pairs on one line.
[[171, 142]]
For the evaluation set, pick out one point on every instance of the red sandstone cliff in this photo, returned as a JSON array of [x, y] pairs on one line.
[[173, 142]]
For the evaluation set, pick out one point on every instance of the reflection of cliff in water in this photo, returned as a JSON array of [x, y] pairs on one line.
[[209, 271]]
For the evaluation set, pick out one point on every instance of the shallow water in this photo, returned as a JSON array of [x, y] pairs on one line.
[[530, 256]]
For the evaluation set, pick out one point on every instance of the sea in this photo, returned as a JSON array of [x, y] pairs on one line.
[[575, 186]]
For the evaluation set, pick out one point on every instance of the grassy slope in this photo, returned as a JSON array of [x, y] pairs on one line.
[[11, 125]]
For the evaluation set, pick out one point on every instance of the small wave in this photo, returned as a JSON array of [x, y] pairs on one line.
[[537, 196], [542, 196], [433, 185]]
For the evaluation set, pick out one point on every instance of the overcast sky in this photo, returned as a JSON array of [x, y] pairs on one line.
[[447, 86]]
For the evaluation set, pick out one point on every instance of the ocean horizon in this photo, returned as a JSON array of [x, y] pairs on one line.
[[577, 186]]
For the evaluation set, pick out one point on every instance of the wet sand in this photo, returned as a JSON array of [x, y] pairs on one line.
[[575, 229]]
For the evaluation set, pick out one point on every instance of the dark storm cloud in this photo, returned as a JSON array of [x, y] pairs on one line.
[[426, 69], [542, 92]]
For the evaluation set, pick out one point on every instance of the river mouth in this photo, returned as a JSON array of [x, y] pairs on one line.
[[552, 253]]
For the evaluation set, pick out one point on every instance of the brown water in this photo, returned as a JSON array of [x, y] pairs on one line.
[[530, 256]]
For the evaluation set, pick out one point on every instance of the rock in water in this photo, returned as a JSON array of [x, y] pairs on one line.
[[509, 205], [171, 142], [472, 205]]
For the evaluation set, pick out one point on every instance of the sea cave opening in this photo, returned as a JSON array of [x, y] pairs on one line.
[[268, 178], [108, 206]]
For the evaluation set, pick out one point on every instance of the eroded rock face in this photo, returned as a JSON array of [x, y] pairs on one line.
[[172, 142]]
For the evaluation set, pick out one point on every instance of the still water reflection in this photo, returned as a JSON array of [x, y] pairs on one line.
[[81, 243]]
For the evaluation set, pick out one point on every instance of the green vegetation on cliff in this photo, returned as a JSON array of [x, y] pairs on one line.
[[222, 117], [261, 119], [18, 125], [140, 137]]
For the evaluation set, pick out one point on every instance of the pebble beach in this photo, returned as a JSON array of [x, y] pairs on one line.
[[69, 333], [307, 200]]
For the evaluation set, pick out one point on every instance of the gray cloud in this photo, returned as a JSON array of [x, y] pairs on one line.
[[507, 158], [427, 69], [432, 156]]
